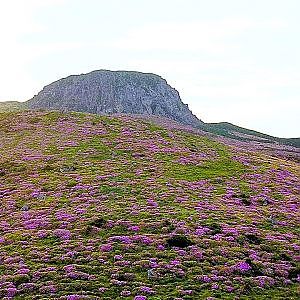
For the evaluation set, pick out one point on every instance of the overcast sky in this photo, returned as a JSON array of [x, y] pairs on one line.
[[230, 60]]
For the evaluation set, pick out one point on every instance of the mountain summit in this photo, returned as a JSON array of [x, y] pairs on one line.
[[108, 92]]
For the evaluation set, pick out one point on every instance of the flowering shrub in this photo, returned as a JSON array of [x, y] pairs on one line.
[[99, 207], [242, 267], [62, 234]]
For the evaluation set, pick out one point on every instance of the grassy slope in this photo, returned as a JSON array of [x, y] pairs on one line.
[[237, 132], [11, 106], [89, 203], [225, 129]]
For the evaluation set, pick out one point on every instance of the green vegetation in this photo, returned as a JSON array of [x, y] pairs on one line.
[[99, 207]]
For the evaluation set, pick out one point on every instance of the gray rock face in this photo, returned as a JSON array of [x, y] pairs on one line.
[[108, 92]]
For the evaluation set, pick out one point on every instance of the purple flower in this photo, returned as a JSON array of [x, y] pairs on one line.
[[11, 292], [201, 231], [106, 248], [140, 298], [205, 278], [152, 203], [74, 297], [242, 266], [23, 271], [229, 289], [69, 268], [161, 247], [48, 289], [62, 234], [118, 257], [125, 293], [175, 262], [42, 233], [146, 290], [134, 228]]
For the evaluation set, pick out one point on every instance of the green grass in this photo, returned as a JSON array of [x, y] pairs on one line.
[[221, 166]]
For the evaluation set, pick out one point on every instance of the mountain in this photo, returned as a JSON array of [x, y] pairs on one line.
[[122, 207], [119, 92], [129, 92]]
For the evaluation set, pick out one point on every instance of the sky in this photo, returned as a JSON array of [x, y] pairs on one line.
[[235, 60]]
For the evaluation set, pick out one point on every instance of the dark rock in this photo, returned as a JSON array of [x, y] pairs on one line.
[[99, 222], [179, 241], [125, 277], [217, 180], [273, 220], [48, 167], [246, 201], [90, 230], [41, 197], [244, 198], [25, 208], [168, 226], [253, 239], [138, 155], [284, 256], [256, 268], [66, 169], [294, 273]]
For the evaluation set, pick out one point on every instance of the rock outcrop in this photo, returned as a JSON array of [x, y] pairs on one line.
[[109, 92]]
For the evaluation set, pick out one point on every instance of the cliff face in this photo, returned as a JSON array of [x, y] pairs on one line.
[[108, 92]]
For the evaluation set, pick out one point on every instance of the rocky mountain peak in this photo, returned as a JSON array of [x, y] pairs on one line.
[[109, 92]]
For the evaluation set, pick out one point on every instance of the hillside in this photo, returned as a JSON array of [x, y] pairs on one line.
[[236, 132], [108, 92], [7, 106], [118, 207]]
